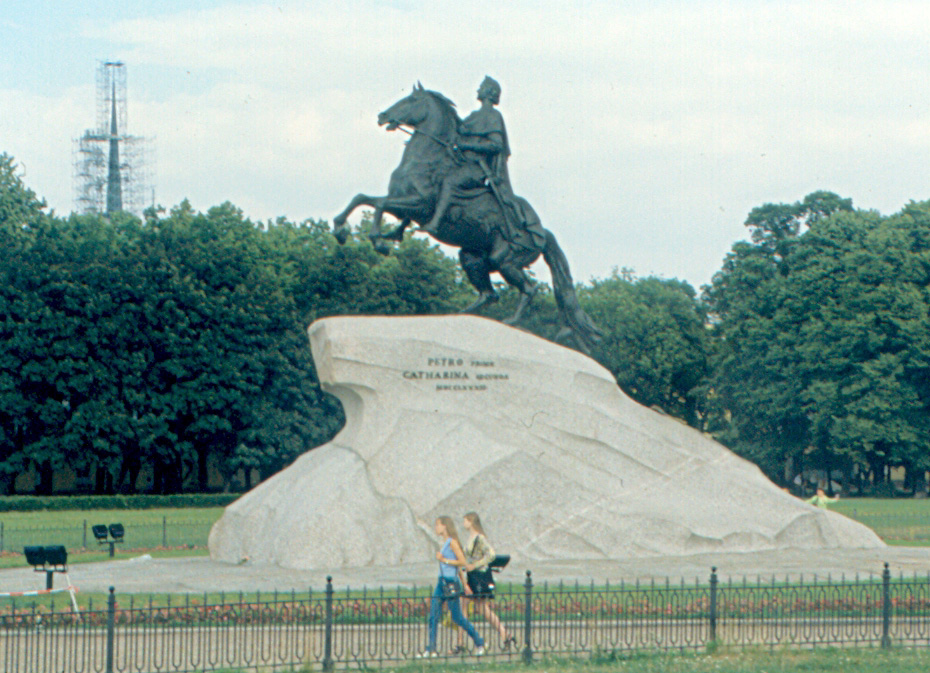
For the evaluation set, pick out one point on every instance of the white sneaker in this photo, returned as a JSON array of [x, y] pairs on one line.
[[425, 654], [480, 651]]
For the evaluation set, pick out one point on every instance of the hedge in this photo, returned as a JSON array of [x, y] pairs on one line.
[[33, 503]]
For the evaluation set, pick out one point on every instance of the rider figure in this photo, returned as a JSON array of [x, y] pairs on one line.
[[484, 150]]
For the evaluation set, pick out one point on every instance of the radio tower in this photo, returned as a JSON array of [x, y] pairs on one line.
[[110, 166]]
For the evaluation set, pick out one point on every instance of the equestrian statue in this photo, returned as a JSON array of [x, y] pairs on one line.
[[452, 181]]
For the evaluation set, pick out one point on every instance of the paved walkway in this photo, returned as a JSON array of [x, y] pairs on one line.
[[200, 574]]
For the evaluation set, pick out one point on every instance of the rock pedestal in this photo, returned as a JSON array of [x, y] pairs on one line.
[[450, 414]]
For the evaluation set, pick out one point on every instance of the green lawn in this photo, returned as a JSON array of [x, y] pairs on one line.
[[58, 519], [898, 521], [145, 528], [17, 560], [826, 660], [821, 660]]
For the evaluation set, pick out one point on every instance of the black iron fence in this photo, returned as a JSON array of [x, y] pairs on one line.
[[370, 629], [169, 532]]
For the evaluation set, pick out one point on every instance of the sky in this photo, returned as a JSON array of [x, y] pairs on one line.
[[643, 132]]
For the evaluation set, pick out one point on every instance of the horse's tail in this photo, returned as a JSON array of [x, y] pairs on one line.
[[579, 324]]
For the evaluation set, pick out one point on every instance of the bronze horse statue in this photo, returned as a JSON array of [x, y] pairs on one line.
[[413, 190]]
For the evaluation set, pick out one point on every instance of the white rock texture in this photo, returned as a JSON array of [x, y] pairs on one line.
[[450, 414]]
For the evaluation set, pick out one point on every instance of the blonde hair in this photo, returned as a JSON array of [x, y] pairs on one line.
[[450, 528], [475, 521]]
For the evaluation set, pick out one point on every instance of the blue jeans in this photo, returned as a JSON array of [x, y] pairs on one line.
[[455, 609]]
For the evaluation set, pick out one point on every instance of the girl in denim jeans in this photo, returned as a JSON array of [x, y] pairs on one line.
[[449, 587]]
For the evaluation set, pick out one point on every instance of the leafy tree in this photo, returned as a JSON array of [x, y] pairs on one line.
[[821, 352], [22, 421], [19, 206], [655, 344]]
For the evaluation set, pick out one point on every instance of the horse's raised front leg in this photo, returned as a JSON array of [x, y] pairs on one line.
[[341, 231], [381, 204], [398, 206], [397, 233]]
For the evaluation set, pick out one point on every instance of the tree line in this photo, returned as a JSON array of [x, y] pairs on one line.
[[821, 341], [179, 340]]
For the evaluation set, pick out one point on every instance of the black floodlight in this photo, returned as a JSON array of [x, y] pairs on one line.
[[499, 562], [110, 535], [35, 556], [56, 555], [41, 558]]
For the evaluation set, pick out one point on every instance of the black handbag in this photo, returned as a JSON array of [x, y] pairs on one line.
[[451, 588], [480, 580]]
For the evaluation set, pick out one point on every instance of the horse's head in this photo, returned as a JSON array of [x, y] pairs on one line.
[[411, 110], [415, 109]]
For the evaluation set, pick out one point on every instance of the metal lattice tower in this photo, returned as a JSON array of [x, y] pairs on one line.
[[111, 167]]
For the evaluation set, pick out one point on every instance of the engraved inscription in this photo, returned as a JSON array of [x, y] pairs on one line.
[[454, 374]]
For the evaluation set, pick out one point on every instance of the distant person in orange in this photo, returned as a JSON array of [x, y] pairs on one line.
[[821, 500]]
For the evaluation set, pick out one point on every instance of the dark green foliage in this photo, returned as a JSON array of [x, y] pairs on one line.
[[179, 342], [822, 339], [20, 208], [656, 344], [58, 503]]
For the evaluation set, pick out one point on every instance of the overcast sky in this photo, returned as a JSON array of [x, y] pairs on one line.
[[642, 132]]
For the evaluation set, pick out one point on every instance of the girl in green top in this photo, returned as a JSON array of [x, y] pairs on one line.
[[479, 583]]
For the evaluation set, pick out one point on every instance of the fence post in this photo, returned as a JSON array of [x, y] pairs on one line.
[[328, 637], [164, 531], [111, 624], [528, 619], [886, 607], [713, 605], [84, 538]]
